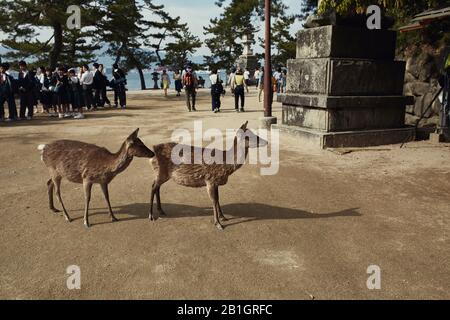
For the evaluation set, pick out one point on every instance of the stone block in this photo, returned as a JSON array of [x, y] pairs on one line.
[[346, 42], [343, 119], [345, 77]]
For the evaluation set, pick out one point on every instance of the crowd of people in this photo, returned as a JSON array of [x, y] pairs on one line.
[[69, 92], [62, 92]]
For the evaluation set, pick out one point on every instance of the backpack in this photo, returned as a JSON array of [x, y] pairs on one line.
[[189, 79]]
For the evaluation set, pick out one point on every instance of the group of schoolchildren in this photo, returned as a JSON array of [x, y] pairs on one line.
[[63, 92]]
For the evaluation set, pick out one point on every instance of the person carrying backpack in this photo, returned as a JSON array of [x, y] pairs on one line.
[[190, 83], [216, 90], [239, 86]]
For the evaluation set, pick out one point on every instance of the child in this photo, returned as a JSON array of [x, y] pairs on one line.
[[61, 93], [25, 84], [7, 93], [75, 95]]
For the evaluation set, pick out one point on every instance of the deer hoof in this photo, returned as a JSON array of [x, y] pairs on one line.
[[219, 226]]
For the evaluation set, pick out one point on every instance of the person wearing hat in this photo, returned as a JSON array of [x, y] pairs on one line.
[[25, 84], [7, 93]]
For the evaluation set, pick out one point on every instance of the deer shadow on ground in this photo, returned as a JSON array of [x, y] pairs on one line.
[[236, 213]]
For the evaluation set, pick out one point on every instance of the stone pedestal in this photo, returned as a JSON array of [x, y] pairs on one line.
[[249, 62], [344, 89]]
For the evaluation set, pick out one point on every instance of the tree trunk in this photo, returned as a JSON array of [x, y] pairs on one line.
[[55, 53], [141, 76]]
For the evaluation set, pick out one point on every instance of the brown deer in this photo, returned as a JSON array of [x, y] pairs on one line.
[[211, 175], [88, 164]]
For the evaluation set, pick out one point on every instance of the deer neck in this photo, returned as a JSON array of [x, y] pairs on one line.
[[122, 160], [238, 158]]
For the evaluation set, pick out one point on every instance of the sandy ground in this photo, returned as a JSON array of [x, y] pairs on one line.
[[312, 230]]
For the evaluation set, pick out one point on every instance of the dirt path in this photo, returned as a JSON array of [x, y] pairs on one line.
[[311, 230]]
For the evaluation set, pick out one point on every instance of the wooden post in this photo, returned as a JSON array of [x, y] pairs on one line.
[[268, 93]]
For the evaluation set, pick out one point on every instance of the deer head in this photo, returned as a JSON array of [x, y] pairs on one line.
[[250, 139], [136, 148]]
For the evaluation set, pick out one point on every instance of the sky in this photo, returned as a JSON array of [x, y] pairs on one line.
[[197, 13]]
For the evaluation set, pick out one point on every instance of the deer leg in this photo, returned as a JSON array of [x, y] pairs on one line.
[[50, 189], [213, 192], [57, 184], [152, 199], [219, 208], [106, 194], [87, 196], [158, 201]]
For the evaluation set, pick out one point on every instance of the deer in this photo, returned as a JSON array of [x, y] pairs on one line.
[[206, 174], [88, 164]]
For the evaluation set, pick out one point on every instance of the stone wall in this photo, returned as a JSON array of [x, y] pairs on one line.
[[421, 81]]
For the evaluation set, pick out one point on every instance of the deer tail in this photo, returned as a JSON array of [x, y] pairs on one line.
[[41, 147]]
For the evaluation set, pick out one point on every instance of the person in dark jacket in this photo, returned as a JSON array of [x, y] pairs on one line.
[[104, 83], [7, 93], [75, 95], [118, 84], [97, 85], [62, 92], [25, 85]]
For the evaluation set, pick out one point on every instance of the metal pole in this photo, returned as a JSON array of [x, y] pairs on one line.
[[268, 93]]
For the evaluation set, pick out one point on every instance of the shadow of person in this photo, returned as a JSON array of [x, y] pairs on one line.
[[236, 213]]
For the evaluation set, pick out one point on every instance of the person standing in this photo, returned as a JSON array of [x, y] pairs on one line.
[[256, 77], [97, 85], [284, 82], [120, 81], [190, 83], [165, 79], [239, 86], [247, 77], [25, 84], [46, 93], [216, 90], [86, 81], [7, 93], [75, 95], [62, 93], [231, 77], [261, 83], [178, 82], [104, 84]]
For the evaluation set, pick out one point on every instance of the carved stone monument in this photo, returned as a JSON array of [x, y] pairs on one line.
[[345, 89], [248, 60]]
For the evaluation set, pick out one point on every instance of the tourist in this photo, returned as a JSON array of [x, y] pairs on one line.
[[75, 95], [239, 86], [256, 77], [86, 80], [278, 75], [25, 84], [119, 82], [40, 78], [247, 77], [261, 83], [178, 82], [165, 80], [216, 90], [7, 93], [190, 83], [36, 88], [284, 81], [104, 84], [231, 77]]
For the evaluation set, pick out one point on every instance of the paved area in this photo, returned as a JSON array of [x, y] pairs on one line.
[[312, 230]]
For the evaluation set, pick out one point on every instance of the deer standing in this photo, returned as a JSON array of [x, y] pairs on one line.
[[88, 164], [194, 175]]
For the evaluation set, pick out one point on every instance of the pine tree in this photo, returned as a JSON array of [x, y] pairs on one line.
[[184, 45], [24, 19]]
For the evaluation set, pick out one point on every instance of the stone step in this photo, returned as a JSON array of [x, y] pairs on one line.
[[346, 77], [353, 139]]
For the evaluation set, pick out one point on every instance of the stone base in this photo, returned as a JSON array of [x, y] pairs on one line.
[[267, 122], [440, 137], [364, 138]]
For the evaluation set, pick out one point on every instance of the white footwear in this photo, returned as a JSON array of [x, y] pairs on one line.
[[66, 115], [60, 115], [79, 116]]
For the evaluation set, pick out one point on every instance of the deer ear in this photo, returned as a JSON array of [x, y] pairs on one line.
[[134, 135], [244, 126]]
